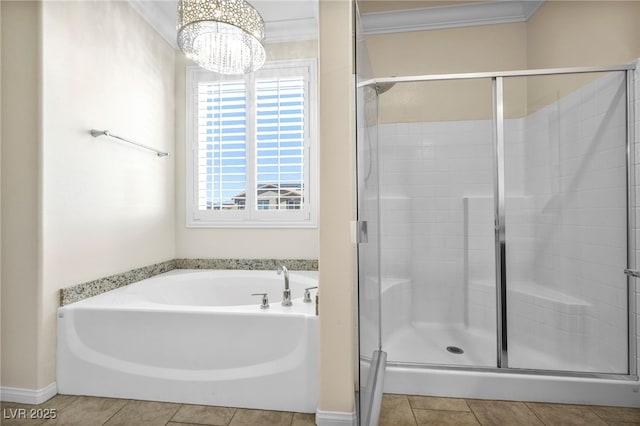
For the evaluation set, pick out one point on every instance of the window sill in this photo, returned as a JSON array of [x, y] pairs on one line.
[[199, 224]]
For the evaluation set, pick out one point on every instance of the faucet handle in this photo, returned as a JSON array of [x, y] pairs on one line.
[[307, 294], [265, 299]]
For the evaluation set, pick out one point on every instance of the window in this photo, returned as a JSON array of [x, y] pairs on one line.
[[251, 150]]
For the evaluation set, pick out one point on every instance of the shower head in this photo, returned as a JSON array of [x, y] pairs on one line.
[[383, 87], [378, 88]]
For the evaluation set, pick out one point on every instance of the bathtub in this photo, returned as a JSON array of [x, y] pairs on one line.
[[194, 336]]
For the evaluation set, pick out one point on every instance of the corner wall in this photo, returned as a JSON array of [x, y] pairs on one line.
[[337, 258], [107, 206], [20, 189], [77, 208]]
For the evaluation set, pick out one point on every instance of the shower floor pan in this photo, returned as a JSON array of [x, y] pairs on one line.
[[426, 343], [415, 349]]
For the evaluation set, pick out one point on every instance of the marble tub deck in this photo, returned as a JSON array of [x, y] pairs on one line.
[[82, 291]]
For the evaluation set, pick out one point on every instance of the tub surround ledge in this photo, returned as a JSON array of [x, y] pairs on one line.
[[93, 288], [101, 285], [248, 264]]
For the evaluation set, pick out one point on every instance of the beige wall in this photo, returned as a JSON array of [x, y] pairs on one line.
[[578, 33], [270, 243], [559, 34], [20, 190], [77, 208], [583, 33], [337, 175], [107, 206], [456, 50]]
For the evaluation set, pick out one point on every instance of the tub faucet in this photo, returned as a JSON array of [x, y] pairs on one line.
[[286, 294]]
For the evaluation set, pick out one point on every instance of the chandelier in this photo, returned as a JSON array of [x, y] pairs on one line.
[[224, 36]]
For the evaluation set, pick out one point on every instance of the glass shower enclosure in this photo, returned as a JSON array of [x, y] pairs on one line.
[[369, 268], [498, 215]]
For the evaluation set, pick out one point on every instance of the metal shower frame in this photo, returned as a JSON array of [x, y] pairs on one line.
[[497, 79]]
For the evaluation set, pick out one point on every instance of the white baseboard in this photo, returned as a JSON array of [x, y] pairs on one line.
[[336, 418], [28, 396]]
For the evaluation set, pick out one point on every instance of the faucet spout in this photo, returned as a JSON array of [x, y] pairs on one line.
[[281, 269], [286, 294]]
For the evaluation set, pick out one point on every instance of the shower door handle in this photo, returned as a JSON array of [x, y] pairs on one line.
[[362, 233], [632, 273]]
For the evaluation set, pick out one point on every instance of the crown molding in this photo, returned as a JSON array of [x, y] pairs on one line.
[[441, 17], [161, 16], [291, 30]]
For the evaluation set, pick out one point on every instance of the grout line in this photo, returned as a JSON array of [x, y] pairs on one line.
[[597, 415], [526, 404], [121, 408], [472, 412], [235, 410], [413, 414], [174, 414], [442, 410]]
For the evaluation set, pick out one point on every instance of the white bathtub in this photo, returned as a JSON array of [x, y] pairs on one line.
[[194, 337]]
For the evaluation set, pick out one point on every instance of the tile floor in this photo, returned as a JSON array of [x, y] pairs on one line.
[[408, 410], [397, 410], [93, 411]]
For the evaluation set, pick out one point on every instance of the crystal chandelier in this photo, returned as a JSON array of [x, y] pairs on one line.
[[224, 36]]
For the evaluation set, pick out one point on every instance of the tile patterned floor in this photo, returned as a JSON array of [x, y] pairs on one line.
[[92, 411], [407, 410], [397, 410]]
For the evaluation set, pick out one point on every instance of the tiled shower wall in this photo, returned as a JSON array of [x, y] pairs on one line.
[[556, 175], [575, 212], [428, 170]]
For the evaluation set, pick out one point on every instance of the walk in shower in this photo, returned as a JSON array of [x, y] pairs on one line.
[[496, 222]]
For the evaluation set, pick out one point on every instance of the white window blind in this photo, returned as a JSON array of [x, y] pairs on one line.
[[251, 147], [222, 151], [280, 143]]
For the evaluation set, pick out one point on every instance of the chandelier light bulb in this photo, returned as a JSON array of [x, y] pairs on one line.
[[224, 36]]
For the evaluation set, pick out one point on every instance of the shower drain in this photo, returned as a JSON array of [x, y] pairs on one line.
[[455, 350]]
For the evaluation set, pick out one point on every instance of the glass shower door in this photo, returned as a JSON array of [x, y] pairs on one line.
[[566, 223], [437, 223], [367, 234], [368, 219]]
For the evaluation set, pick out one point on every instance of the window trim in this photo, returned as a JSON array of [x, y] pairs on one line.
[[247, 218]]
